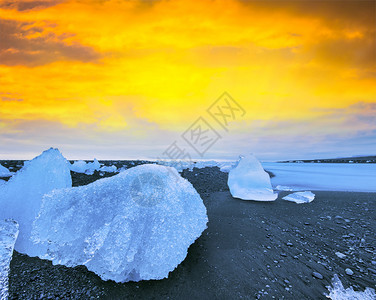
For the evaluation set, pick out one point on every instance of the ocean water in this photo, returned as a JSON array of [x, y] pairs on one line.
[[324, 176]]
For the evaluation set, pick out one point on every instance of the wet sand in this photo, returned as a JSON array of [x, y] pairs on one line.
[[250, 250]]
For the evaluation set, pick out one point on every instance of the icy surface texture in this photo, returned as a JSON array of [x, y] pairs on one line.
[[300, 197], [249, 181], [136, 225], [4, 172], [338, 292], [8, 237], [324, 176], [21, 196], [81, 166]]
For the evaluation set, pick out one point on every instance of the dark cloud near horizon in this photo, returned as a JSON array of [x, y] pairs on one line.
[[333, 11], [10, 99], [17, 49], [357, 16], [22, 5], [360, 112], [359, 52]]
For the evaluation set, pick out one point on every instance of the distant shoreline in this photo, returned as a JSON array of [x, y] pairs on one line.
[[356, 160]]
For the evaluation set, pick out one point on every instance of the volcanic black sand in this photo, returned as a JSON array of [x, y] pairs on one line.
[[249, 250]]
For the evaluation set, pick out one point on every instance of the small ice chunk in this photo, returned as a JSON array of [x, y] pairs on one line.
[[249, 181], [92, 166], [226, 167], [4, 172], [21, 196], [82, 166], [136, 225], [338, 292], [284, 188], [300, 197], [205, 163], [178, 164], [340, 255], [108, 169], [8, 237], [78, 166]]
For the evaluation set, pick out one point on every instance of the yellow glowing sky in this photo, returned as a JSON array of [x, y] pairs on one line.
[[102, 68]]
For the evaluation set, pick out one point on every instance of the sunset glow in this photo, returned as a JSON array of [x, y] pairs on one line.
[[120, 79]]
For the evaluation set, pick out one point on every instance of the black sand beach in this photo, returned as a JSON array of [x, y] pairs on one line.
[[249, 250]]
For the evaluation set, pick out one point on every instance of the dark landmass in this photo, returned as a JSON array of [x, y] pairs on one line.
[[252, 250], [355, 160]]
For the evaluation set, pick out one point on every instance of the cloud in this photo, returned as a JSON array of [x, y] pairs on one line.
[[28, 138], [23, 43], [22, 5], [338, 132], [358, 51], [334, 12], [165, 63], [5, 98]]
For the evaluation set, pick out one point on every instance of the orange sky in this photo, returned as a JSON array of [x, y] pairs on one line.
[[91, 76]]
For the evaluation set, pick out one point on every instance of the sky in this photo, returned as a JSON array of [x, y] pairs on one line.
[[208, 79]]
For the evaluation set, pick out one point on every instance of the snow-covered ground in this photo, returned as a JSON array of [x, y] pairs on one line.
[[323, 176]]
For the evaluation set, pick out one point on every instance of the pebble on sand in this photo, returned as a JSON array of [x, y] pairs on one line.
[[340, 255], [317, 275], [349, 272]]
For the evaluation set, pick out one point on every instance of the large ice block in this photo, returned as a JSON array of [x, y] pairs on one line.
[[136, 225]]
